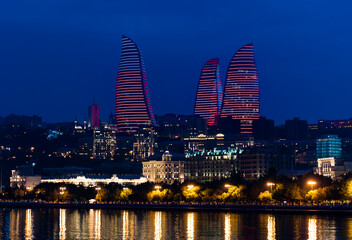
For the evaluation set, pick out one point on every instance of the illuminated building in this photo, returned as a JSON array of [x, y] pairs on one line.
[[329, 157], [241, 91], [104, 143], [204, 142], [211, 165], [329, 146], [165, 171], [133, 107], [17, 180], [94, 181], [93, 116], [255, 162], [332, 167], [85, 145], [144, 143], [209, 92]]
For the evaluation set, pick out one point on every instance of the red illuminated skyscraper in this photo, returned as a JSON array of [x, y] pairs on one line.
[[133, 108], [241, 92], [93, 116], [209, 92]]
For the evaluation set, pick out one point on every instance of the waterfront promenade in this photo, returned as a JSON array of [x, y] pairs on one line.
[[227, 207]]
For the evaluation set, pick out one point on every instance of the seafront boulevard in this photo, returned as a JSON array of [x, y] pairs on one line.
[[335, 208]]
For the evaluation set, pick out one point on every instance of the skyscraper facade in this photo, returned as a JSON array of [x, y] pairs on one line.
[[133, 108], [209, 92], [241, 91], [93, 116], [329, 146]]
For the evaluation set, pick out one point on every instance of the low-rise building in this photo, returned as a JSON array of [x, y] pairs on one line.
[[255, 162], [211, 165], [332, 167], [16, 180], [165, 171], [87, 181]]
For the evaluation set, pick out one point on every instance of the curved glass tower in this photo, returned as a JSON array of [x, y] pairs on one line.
[[133, 108], [241, 91], [209, 92]]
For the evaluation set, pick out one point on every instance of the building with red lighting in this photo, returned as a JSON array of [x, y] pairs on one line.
[[93, 116], [209, 92], [133, 108], [241, 91]]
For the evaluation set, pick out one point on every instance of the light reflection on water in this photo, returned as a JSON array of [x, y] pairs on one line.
[[62, 224], [190, 226], [28, 229], [312, 229], [157, 225], [271, 228], [227, 227]]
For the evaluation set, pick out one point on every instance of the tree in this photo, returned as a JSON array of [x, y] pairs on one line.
[[233, 193], [124, 194], [191, 193], [102, 195], [279, 192], [347, 189], [207, 195], [293, 192], [159, 196], [19, 193], [265, 197], [315, 195]]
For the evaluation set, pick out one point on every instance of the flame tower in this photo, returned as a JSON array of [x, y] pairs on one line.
[[209, 92], [132, 102], [241, 91]]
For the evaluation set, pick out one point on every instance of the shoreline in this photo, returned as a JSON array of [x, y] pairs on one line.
[[212, 207]]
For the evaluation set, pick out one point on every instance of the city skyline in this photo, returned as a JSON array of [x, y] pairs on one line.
[[57, 55]]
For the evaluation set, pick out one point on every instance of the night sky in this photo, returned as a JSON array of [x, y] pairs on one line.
[[56, 55]]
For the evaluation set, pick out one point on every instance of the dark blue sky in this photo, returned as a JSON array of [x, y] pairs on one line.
[[56, 55]]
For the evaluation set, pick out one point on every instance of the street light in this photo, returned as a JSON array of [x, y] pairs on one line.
[[98, 189], [227, 186], [62, 190], [311, 183], [157, 187], [190, 186], [270, 184]]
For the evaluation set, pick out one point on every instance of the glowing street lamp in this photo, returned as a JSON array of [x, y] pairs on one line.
[[270, 184], [190, 186], [157, 187], [227, 185], [97, 189], [62, 190], [311, 183]]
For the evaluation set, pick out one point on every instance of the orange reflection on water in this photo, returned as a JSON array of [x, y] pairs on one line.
[[312, 229], [227, 226], [14, 223], [28, 227], [62, 224], [190, 226], [97, 224], [94, 224], [271, 228], [157, 225]]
